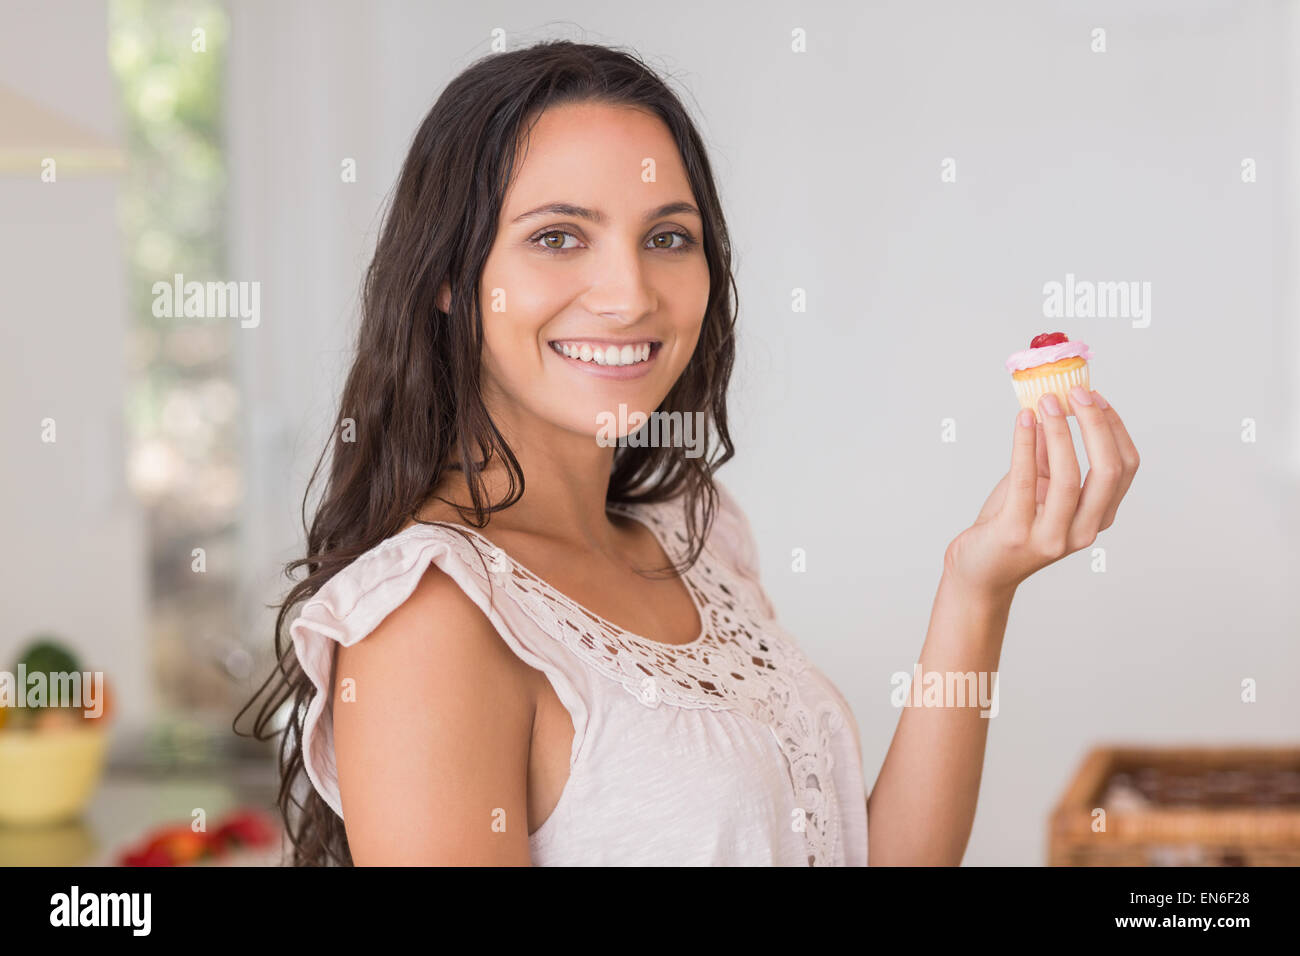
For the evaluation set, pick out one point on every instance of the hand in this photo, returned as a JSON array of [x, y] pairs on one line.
[[1037, 513]]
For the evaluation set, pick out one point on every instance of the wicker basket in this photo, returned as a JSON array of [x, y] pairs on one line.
[[1186, 806]]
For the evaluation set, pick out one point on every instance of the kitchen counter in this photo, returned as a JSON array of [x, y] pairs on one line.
[[128, 804]]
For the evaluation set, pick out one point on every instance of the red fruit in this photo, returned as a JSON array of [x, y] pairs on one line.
[[161, 836], [185, 846], [155, 857], [1048, 338], [178, 844], [244, 828]]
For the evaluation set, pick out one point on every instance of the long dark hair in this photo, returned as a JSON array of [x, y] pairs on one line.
[[411, 408]]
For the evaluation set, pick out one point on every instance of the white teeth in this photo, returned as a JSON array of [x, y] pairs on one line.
[[606, 355]]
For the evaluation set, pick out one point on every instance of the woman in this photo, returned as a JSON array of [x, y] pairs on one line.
[[521, 641]]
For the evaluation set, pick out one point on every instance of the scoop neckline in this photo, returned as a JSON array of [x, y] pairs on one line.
[[622, 508]]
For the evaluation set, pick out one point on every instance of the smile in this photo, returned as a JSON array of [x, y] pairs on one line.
[[606, 353]]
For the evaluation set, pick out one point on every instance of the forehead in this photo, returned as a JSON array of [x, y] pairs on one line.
[[594, 154]]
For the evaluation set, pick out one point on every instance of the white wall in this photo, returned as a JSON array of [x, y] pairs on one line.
[[301, 99], [1115, 166], [72, 560]]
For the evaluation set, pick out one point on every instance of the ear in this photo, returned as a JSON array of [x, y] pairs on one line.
[[444, 297]]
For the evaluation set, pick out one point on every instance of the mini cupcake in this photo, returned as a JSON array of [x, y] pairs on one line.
[[1052, 363]]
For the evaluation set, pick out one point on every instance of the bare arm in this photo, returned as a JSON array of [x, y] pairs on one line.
[[434, 748], [922, 808]]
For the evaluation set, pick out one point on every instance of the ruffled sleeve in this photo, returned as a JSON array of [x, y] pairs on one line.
[[358, 598]]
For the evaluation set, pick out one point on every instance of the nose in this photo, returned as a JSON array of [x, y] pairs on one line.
[[619, 287]]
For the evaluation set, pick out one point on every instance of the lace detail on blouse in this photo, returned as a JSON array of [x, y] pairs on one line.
[[742, 660]]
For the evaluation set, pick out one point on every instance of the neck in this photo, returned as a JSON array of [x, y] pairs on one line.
[[566, 482]]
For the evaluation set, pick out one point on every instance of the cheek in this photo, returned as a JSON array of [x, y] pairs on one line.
[[516, 304], [689, 314], [519, 299]]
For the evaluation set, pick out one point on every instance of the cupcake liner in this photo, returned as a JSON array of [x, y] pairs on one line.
[[1030, 390]]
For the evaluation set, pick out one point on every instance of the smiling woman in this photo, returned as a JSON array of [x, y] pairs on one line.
[[555, 253], [521, 642], [591, 677]]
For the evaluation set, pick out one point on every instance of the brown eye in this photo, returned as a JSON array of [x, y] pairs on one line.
[[548, 236], [686, 241]]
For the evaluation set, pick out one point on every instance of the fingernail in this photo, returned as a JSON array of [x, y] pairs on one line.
[[1049, 404], [1080, 395], [1026, 418], [1101, 402]]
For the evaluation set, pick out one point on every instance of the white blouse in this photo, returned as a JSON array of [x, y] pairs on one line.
[[732, 749]]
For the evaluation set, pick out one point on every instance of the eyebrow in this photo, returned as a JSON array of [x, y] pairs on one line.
[[593, 215]]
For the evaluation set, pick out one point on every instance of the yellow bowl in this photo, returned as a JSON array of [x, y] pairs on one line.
[[49, 775]]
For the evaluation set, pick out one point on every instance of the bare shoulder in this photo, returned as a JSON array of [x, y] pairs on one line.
[[432, 722]]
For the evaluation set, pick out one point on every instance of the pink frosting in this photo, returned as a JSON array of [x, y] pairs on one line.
[[1028, 358]]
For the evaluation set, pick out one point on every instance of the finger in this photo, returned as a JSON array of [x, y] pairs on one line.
[[1044, 470], [1022, 479], [1105, 469], [1053, 525], [1128, 454]]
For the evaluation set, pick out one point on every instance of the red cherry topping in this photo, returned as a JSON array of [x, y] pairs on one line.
[[1048, 338]]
